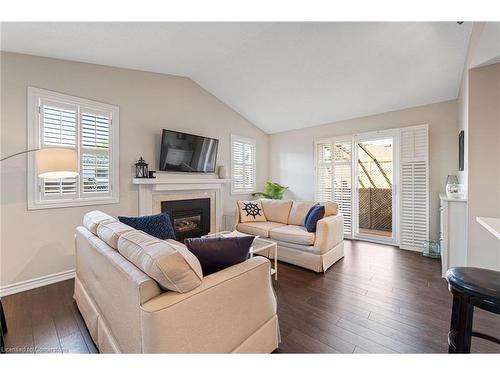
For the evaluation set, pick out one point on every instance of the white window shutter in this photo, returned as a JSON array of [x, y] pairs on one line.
[[95, 159], [414, 175], [324, 172], [243, 168], [342, 191], [58, 129], [333, 177]]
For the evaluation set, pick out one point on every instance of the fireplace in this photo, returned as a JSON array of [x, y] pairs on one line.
[[190, 217]]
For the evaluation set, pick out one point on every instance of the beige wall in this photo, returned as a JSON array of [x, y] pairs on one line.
[[292, 157], [39, 243], [484, 164]]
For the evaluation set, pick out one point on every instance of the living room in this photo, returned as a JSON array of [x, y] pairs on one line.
[[250, 187]]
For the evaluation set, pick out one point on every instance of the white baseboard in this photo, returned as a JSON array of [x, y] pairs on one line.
[[36, 283]]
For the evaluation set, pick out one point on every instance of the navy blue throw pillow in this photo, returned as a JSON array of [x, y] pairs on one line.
[[315, 214], [215, 254], [158, 226]]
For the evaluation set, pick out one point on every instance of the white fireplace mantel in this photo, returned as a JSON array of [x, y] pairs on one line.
[[171, 188]]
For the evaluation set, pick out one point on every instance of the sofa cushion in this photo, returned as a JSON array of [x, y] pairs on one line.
[[315, 214], [251, 211], [331, 208], [299, 212], [258, 229], [293, 233], [215, 254], [92, 219], [172, 267], [277, 210], [158, 225], [110, 232]]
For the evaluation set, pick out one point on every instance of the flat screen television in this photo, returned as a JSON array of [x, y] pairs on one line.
[[182, 152]]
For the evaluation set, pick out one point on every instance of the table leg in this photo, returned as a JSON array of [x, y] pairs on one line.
[[275, 262]]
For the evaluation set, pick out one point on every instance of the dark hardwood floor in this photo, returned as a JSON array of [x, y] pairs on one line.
[[378, 299]]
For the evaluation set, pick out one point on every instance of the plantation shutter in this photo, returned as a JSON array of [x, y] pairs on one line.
[[95, 157], [58, 129], [243, 169], [324, 172], [414, 226], [342, 191], [333, 177]]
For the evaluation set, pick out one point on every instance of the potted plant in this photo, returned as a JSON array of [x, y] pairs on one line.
[[273, 190]]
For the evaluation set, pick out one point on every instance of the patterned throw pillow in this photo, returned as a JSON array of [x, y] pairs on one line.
[[251, 211], [215, 254], [315, 214], [158, 226]]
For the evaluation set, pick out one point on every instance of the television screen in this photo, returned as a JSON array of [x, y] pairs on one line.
[[181, 152]]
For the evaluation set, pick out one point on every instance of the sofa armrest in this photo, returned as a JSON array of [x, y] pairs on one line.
[[226, 309], [236, 218], [329, 233]]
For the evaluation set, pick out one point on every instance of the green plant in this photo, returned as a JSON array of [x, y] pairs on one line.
[[273, 190]]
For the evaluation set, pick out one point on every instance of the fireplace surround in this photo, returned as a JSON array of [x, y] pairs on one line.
[[154, 191]]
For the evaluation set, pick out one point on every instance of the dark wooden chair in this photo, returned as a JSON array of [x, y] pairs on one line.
[[3, 328], [471, 287]]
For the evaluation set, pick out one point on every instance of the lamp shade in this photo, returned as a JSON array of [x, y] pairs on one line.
[[56, 163]]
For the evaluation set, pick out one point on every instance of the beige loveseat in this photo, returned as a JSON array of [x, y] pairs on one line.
[[125, 310], [284, 224]]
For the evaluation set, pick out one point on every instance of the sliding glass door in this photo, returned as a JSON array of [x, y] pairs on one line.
[[375, 166], [380, 181]]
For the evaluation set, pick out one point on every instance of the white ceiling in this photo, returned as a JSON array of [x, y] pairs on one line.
[[280, 76]]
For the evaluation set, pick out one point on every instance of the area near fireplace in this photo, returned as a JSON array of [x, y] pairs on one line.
[[154, 192]]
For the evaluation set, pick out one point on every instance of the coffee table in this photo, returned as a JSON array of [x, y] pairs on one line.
[[260, 246]]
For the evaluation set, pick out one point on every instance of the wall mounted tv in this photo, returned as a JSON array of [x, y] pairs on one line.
[[182, 152]]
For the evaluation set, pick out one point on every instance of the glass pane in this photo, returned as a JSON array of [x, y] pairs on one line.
[[375, 179]]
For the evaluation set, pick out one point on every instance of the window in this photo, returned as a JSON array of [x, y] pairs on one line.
[[88, 127], [242, 165]]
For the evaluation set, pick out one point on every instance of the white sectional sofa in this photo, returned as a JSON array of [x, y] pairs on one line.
[[285, 224], [125, 310]]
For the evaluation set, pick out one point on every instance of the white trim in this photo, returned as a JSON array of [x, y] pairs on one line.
[[33, 142], [36, 282]]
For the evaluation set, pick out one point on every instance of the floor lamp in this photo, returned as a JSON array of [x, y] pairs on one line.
[[50, 163]]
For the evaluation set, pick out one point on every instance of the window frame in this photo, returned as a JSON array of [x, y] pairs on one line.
[[36, 200], [253, 143]]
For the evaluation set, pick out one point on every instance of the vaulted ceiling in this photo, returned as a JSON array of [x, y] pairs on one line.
[[280, 76]]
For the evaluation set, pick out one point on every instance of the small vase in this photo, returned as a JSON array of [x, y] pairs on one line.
[[222, 172]]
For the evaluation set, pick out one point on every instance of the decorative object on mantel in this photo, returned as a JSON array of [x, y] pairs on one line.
[[222, 172], [453, 188], [152, 174], [273, 190], [141, 169]]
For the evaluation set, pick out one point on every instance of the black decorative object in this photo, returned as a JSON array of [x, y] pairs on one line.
[[152, 174], [461, 151], [252, 209], [141, 169]]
